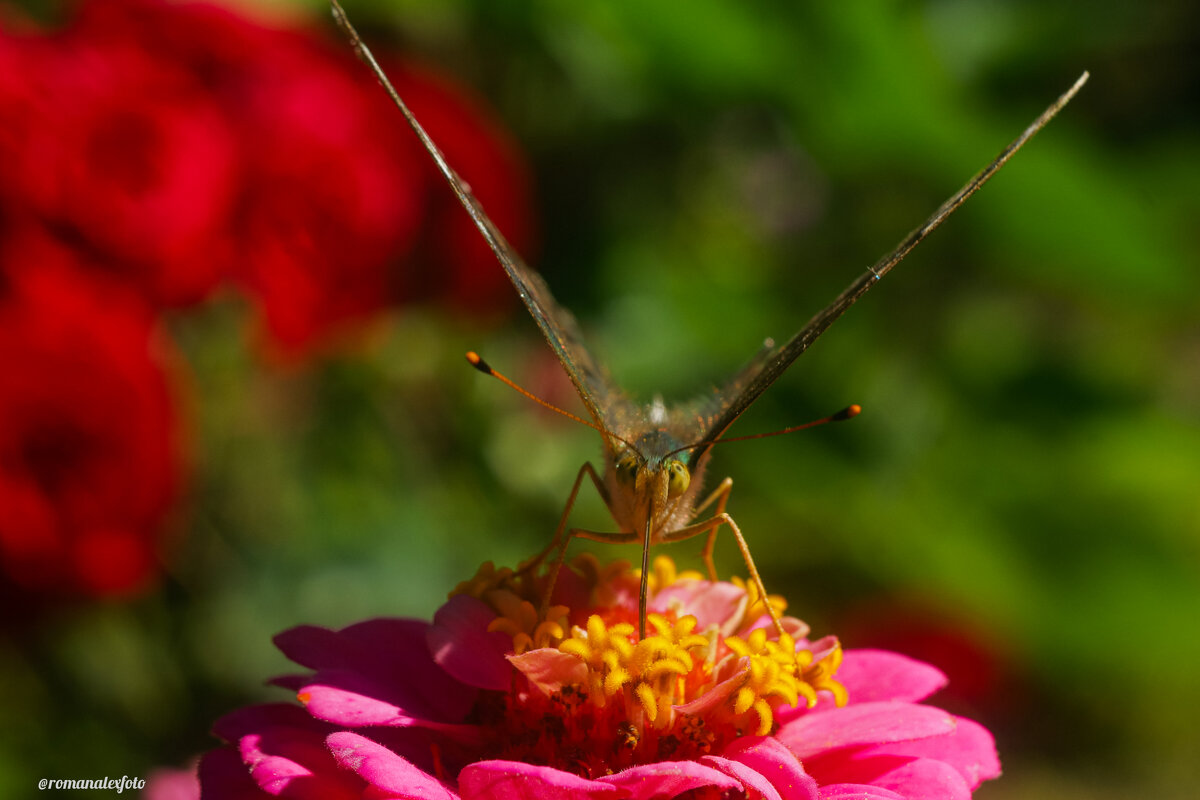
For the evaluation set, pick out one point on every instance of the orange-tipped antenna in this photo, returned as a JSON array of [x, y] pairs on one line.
[[476, 361], [849, 412]]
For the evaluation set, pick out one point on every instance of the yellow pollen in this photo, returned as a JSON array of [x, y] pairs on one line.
[[820, 675], [485, 579], [755, 607], [777, 675], [649, 672], [607, 700], [519, 619]]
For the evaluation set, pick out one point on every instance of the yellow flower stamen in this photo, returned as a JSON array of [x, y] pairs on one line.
[[650, 671], [485, 579], [598, 698], [755, 607], [777, 675], [520, 620], [663, 573]]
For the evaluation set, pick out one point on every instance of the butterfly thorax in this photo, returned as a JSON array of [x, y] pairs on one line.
[[649, 479]]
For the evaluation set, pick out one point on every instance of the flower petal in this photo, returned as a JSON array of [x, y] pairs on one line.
[[925, 778], [753, 784], [176, 784], [718, 604], [513, 780], [871, 675], [549, 669], [668, 779], [863, 724], [293, 761], [875, 675], [769, 761], [969, 748], [385, 770], [335, 699], [462, 646], [857, 791], [392, 659]]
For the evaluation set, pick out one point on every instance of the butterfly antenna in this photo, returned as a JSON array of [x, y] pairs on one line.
[[849, 412], [476, 361]]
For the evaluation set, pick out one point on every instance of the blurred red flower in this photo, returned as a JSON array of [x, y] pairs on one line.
[[339, 214], [182, 144], [344, 215], [90, 455], [122, 153]]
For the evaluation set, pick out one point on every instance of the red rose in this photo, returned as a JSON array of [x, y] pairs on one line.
[[345, 214], [183, 143], [330, 204], [122, 152], [341, 215], [89, 441]]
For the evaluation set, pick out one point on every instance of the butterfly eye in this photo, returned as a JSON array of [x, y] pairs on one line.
[[678, 478], [627, 467]]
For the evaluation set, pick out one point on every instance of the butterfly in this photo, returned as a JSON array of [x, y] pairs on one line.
[[655, 457]]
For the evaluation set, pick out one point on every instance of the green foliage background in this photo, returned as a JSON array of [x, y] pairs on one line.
[[708, 174]]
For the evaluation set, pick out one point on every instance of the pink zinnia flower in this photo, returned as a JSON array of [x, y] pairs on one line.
[[496, 700]]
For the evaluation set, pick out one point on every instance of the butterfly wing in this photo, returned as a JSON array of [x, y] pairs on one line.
[[605, 403], [745, 388]]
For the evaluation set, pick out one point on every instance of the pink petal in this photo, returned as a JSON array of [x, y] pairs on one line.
[[720, 604], [294, 761], [385, 770], [391, 656], [863, 724], [334, 702], [753, 784], [769, 761], [922, 777], [512, 780], [462, 646], [718, 694], [668, 779], [969, 748], [348, 708], [874, 675], [173, 784], [549, 669], [871, 675], [857, 791]]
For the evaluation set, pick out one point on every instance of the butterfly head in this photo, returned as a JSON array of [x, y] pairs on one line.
[[649, 478], [634, 472]]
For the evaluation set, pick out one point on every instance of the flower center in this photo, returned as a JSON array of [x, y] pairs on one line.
[[592, 699]]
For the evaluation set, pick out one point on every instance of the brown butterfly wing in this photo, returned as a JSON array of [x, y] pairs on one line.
[[607, 404], [753, 380], [604, 401], [709, 417]]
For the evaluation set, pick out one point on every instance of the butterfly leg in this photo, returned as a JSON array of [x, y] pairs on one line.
[[721, 496], [560, 541], [590, 471], [596, 536], [710, 527]]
